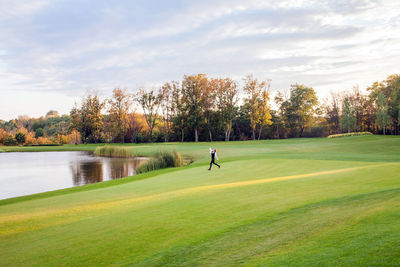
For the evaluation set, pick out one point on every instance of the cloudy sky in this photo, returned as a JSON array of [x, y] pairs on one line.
[[53, 52]]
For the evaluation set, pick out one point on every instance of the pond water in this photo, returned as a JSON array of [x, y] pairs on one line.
[[34, 172]]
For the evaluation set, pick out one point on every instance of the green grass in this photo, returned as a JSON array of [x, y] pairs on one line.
[[297, 202]]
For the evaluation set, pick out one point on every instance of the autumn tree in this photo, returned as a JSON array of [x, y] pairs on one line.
[[52, 114], [369, 115], [91, 118], [119, 106], [332, 113], [382, 117], [280, 124], [29, 136], [75, 123], [134, 126], [10, 140], [263, 111], [226, 99], [208, 105], [150, 103], [3, 136], [253, 89], [193, 93]]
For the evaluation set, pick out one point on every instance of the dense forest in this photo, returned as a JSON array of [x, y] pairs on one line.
[[200, 108]]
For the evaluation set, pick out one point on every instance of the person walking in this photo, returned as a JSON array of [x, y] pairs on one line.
[[213, 153]]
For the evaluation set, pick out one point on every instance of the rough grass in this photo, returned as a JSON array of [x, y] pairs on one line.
[[163, 159], [297, 202], [114, 151], [349, 134]]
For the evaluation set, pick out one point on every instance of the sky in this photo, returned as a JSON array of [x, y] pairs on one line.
[[54, 52]]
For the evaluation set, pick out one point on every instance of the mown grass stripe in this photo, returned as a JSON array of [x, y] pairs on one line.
[[19, 219]]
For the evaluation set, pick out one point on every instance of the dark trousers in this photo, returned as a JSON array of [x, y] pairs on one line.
[[213, 162]]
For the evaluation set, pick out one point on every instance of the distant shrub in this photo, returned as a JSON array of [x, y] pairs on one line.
[[113, 151], [20, 137], [1, 150], [163, 159], [157, 136], [10, 141], [349, 134], [39, 132], [315, 131], [139, 138], [46, 145]]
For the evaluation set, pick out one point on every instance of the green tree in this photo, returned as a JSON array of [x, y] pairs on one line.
[[39, 132], [398, 117], [382, 117], [391, 89], [178, 111], [299, 109], [348, 119], [357, 101], [20, 138], [166, 107], [193, 89]]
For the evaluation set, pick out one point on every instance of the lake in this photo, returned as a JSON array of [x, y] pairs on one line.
[[24, 173]]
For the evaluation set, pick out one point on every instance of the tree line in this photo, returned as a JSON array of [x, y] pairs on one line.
[[200, 108]]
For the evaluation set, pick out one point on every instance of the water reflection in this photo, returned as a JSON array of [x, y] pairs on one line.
[[28, 173], [86, 172], [90, 169]]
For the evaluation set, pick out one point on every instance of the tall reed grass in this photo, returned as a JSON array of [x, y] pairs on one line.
[[163, 159], [114, 151]]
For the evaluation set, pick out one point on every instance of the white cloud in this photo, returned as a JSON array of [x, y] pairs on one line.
[[65, 48], [21, 8]]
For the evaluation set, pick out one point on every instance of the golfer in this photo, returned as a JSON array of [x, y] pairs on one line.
[[213, 153]]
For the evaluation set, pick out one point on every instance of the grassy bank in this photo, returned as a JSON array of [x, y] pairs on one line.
[[89, 147], [278, 202]]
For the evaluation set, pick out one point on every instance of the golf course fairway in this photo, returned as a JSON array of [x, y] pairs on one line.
[[295, 202]]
